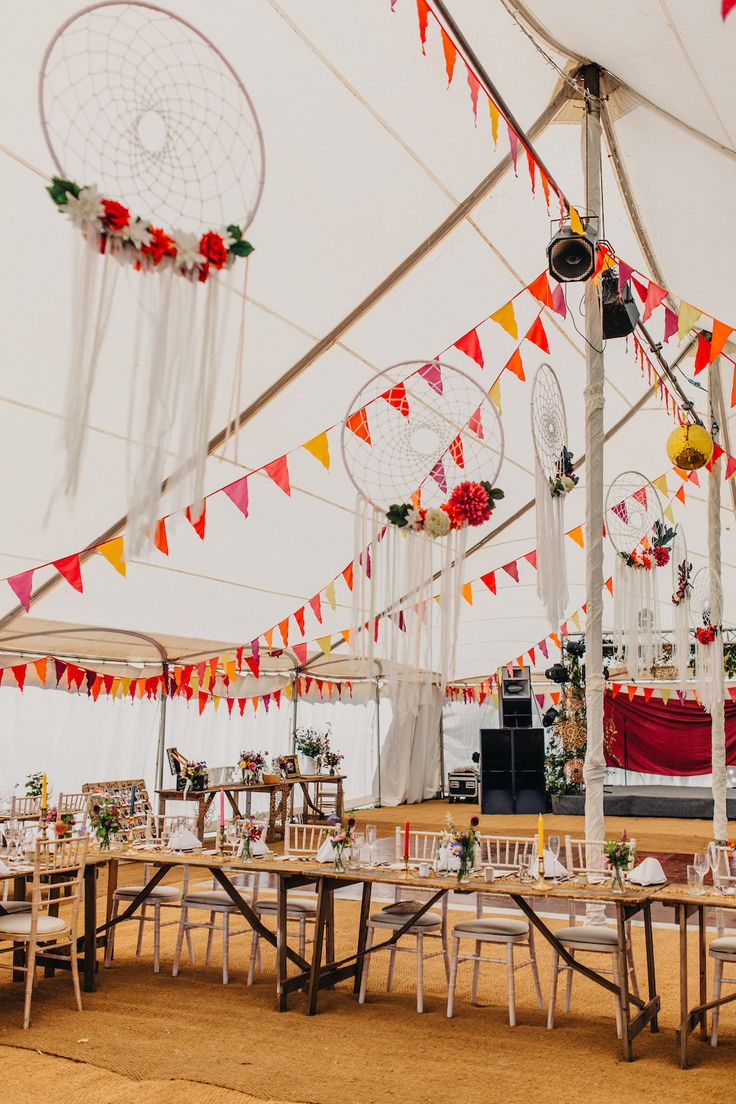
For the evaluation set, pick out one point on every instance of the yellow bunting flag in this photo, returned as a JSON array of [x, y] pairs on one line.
[[576, 534], [319, 447], [687, 316], [467, 593], [114, 552], [494, 120], [115, 689], [216, 701], [668, 513], [661, 484], [325, 643], [330, 595], [666, 694], [495, 395], [507, 320], [575, 618], [125, 683], [575, 222], [286, 691]]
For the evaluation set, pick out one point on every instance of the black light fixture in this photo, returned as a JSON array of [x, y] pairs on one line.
[[557, 673], [549, 718], [620, 312], [571, 256], [575, 647]]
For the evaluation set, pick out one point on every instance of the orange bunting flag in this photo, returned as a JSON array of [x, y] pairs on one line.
[[357, 423], [268, 637], [632, 692], [467, 593], [448, 48], [531, 164], [470, 345], [319, 447], [540, 289], [40, 665], [555, 639], [680, 493], [70, 568], [396, 397], [348, 575], [114, 552], [278, 470], [538, 335], [532, 656], [721, 334], [284, 630], [299, 618], [576, 534], [507, 319], [197, 522], [345, 634], [160, 539], [515, 365]]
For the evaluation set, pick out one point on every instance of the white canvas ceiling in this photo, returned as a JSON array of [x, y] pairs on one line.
[[367, 153]]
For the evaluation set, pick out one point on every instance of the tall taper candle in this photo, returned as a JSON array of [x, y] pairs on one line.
[[406, 841], [43, 791], [222, 808]]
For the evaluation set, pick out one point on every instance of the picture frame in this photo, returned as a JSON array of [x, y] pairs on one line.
[[291, 766]]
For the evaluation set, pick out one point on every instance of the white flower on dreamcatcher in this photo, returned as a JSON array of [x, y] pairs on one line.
[[436, 522], [85, 208], [227, 238], [187, 250], [137, 233], [414, 519]]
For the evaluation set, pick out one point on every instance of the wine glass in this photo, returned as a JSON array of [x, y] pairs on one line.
[[700, 862], [553, 846], [371, 834], [712, 853]]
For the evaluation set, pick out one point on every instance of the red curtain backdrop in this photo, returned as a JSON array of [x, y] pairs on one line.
[[664, 739]]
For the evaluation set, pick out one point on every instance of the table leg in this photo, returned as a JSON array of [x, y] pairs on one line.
[[339, 800], [651, 977], [90, 928], [703, 963], [623, 981], [112, 885], [365, 911], [330, 930], [682, 914], [281, 936], [161, 805], [324, 898]]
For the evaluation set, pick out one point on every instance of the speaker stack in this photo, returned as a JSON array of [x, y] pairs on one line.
[[512, 756]]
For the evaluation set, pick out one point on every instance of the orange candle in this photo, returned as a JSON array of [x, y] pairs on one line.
[[406, 841]]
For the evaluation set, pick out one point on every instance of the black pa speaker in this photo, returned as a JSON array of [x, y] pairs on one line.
[[620, 312]]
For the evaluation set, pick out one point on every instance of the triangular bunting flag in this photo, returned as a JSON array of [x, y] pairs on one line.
[[160, 539], [319, 447], [278, 470], [300, 651], [325, 643], [475, 424], [438, 474], [631, 690], [507, 319], [299, 618], [576, 535], [432, 373], [40, 665], [456, 451], [489, 580], [114, 552], [197, 523], [531, 558], [687, 316], [721, 334], [21, 586], [316, 606], [396, 397], [540, 289], [670, 323], [511, 569], [495, 395], [467, 593], [347, 575], [474, 86], [655, 295], [515, 365], [284, 630], [330, 595], [538, 335], [661, 484], [70, 569], [470, 345], [237, 492], [448, 49]]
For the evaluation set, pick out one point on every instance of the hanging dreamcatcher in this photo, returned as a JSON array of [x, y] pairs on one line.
[[555, 478], [423, 446], [160, 165], [706, 604], [682, 588], [635, 528]]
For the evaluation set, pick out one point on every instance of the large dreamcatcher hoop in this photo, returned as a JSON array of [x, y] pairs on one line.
[[682, 588], [706, 605], [554, 479], [423, 446], [161, 168], [635, 528]]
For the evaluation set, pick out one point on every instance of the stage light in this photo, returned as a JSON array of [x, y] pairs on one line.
[[620, 312], [575, 648], [571, 256], [689, 447], [557, 673], [549, 718]]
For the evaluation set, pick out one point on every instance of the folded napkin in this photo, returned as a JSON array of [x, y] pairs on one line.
[[183, 840], [552, 867], [4, 868], [326, 852], [648, 872], [258, 847], [446, 861]]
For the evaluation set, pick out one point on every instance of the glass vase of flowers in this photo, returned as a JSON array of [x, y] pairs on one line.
[[620, 856], [251, 765], [332, 760], [105, 817], [251, 832], [463, 846], [341, 837]]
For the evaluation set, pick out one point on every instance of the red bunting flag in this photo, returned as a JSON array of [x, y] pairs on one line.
[[538, 335], [316, 605], [347, 575], [489, 580], [726, 7], [423, 14], [655, 295], [160, 539], [540, 289], [702, 356], [475, 424], [730, 467], [531, 558], [278, 470], [197, 523], [237, 492], [396, 397], [70, 568], [531, 164], [470, 345], [357, 423], [299, 618], [456, 451], [300, 651], [512, 569], [19, 674], [21, 586], [254, 665], [615, 687]]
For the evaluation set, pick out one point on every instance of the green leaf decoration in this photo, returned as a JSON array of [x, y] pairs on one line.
[[60, 190], [241, 248], [235, 232], [396, 514]]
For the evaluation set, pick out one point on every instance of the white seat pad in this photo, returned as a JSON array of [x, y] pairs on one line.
[[160, 891], [726, 944], [16, 906], [491, 925], [590, 933], [20, 925], [208, 897], [294, 905], [397, 920]]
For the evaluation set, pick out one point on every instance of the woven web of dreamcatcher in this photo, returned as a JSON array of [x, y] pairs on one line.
[[549, 425], [679, 555], [632, 509], [139, 103], [405, 449], [706, 603]]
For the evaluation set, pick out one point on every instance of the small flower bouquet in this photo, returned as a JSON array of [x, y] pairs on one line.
[[462, 845], [192, 777], [332, 759], [105, 817], [250, 833], [251, 765], [62, 823], [705, 634], [565, 479], [341, 836], [620, 856], [34, 784], [312, 743], [470, 503]]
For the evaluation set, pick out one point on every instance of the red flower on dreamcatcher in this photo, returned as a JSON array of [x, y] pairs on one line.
[[213, 249], [159, 245], [705, 635], [471, 502], [661, 555], [115, 217]]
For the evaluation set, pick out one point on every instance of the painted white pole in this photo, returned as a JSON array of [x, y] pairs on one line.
[[718, 722]]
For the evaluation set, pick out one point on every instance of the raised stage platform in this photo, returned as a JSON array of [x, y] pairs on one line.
[[679, 802]]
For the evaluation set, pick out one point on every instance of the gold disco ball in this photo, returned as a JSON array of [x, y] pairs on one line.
[[689, 447]]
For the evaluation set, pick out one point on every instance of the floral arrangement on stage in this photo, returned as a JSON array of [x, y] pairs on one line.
[[250, 833], [313, 743], [620, 856], [658, 552], [106, 823], [332, 759], [462, 845], [469, 504], [251, 765], [565, 480], [192, 777], [111, 228], [341, 836], [34, 784]]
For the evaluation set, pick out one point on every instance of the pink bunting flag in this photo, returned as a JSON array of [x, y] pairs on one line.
[[237, 492], [438, 474], [300, 651], [655, 295], [21, 585], [670, 323], [624, 274], [542, 645], [559, 306], [278, 470], [474, 86], [475, 424], [470, 345], [433, 375], [514, 146], [316, 604]]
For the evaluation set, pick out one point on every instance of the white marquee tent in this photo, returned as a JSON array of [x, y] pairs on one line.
[[389, 227]]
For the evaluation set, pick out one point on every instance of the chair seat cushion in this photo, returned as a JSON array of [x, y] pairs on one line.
[[492, 926], [394, 920], [725, 945], [162, 892], [588, 933], [217, 897], [16, 906], [19, 926], [295, 905]]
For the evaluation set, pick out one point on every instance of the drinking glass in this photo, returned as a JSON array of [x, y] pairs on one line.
[[553, 846], [358, 845], [712, 853], [525, 861], [694, 879], [371, 834], [722, 875], [700, 862]]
